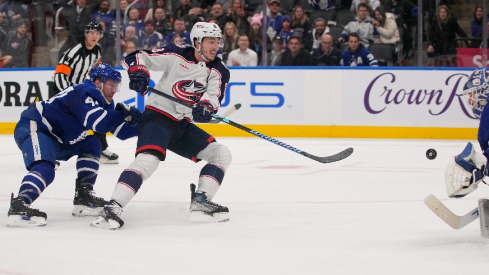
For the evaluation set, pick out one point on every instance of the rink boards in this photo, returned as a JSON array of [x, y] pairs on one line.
[[305, 102]]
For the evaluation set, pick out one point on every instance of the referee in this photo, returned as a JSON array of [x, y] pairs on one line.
[[73, 68]]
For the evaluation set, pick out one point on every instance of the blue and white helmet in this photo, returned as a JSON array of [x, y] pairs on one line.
[[105, 71], [476, 90]]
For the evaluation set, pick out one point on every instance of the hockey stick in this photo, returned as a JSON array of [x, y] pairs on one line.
[[327, 159], [454, 221], [227, 113]]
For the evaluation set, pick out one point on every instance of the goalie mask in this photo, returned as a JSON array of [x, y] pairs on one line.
[[476, 90]]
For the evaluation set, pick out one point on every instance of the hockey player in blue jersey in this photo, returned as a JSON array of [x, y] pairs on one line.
[[57, 129], [193, 74], [466, 170], [357, 54]]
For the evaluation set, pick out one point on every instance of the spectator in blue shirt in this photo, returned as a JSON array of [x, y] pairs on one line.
[[286, 31], [476, 23], [151, 38], [179, 29], [274, 18], [357, 54], [134, 21]]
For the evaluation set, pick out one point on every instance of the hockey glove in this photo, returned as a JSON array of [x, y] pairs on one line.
[[131, 114], [139, 79], [202, 112], [466, 178]]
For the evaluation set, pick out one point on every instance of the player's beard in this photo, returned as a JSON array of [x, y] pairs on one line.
[[210, 56]]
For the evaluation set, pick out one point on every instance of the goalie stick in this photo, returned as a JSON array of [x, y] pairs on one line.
[[227, 113], [326, 159], [454, 221]]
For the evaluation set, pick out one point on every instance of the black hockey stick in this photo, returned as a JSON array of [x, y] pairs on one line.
[[327, 159]]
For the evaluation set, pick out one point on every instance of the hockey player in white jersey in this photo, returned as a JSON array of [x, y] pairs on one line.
[[196, 75], [468, 169], [57, 129]]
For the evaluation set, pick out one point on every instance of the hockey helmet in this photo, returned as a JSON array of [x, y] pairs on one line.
[[93, 26], [104, 71], [476, 90], [205, 29]]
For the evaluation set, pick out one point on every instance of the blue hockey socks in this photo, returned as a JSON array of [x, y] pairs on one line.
[[40, 176]]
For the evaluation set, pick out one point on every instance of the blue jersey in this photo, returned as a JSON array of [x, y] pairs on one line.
[[362, 57], [185, 38], [483, 133], [70, 114]]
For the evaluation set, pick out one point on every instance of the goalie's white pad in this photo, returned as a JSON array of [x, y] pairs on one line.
[[484, 217], [463, 174]]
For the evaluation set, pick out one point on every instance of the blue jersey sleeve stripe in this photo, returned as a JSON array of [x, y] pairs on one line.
[[85, 123], [97, 121]]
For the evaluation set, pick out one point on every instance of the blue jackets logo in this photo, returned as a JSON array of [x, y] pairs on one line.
[[188, 90]]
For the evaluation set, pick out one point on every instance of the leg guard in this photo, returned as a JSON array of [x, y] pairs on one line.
[[87, 163], [40, 176], [87, 169], [132, 178], [219, 158], [484, 217]]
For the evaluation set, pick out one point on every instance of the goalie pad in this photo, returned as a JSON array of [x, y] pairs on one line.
[[463, 173], [484, 217]]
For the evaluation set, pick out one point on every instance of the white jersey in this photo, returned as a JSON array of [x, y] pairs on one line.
[[184, 77]]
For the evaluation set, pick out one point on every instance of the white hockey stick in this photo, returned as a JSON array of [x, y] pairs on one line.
[[454, 221], [227, 113]]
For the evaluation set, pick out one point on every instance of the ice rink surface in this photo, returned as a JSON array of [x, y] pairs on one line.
[[289, 215]]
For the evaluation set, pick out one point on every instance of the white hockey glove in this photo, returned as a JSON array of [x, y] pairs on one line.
[[464, 173]]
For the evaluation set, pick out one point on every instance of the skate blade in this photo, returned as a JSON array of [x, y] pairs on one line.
[[201, 217], [100, 222], [108, 161], [86, 211], [23, 221]]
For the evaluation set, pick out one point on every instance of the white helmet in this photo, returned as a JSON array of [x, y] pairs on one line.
[[205, 29]]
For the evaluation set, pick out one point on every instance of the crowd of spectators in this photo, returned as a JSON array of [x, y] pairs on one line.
[[293, 32]]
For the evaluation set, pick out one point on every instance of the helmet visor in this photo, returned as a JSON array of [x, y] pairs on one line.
[[111, 84]]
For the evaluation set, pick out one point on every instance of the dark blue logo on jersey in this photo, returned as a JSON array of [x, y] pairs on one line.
[[188, 90]]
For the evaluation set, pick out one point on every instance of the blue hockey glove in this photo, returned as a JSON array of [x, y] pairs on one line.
[[131, 114], [139, 79], [202, 112]]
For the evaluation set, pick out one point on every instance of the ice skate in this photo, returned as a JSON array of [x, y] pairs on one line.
[[107, 157], [202, 209], [110, 217], [21, 214], [86, 203]]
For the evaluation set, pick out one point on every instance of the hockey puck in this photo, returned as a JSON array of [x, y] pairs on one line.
[[431, 153]]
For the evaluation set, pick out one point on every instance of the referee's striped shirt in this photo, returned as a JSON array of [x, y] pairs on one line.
[[75, 64]]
